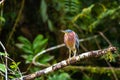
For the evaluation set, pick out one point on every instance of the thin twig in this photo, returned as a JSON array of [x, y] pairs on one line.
[[108, 41], [2, 74], [2, 1], [78, 28], [44, 51], [112, 70], [1, 12], [6, 73], [84, 48], [97, 43], [67, 62], [55, 47], [16, 22]]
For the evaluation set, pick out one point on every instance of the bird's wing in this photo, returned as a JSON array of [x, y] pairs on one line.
[[77, 43]]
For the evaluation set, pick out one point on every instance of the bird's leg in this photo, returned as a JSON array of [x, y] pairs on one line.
[[69, 53], [74, 53]]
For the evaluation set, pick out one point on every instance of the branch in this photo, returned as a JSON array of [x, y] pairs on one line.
[[112, 70], [91, 69], [107, 40], [67, 62], [1, 2]]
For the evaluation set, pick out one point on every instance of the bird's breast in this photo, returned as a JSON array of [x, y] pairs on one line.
[[69, 40]]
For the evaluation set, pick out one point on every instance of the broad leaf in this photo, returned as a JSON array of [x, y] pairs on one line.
[[2, 54], [24, 40], [2, 67], [26, 45], [50, 25], [37, 41], [44, 10], [40, 46], [2, 19], [28, 58], [27, 49]]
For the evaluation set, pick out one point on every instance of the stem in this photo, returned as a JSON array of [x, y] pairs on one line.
[[6, 73]]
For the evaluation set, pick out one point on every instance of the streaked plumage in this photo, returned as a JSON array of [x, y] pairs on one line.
[[71, 40]]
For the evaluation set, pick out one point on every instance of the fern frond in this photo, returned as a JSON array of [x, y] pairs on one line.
[[72, 7]]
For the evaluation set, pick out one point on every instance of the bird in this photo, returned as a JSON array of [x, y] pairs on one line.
[[71, 41]]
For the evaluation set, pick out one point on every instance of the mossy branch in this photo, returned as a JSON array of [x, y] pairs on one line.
[[91, 69]]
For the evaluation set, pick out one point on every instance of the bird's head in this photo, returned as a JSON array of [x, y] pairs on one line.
[[66, 31]]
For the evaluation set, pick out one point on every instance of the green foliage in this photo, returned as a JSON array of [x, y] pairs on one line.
[[89, 17], [72, 7], [38, 44], [26, 45], [44, 15], [50, 25], [44, 10], [60, 76], [14, 65], [109, 56], [2, 67], [45, 58], [2, 54], [2, 19], [86, 77], [14, 70], [32, 48]]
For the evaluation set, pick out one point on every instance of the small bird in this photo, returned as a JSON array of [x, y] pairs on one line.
[[71, 40]]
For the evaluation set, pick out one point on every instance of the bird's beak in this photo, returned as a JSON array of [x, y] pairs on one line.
[[63, 31]]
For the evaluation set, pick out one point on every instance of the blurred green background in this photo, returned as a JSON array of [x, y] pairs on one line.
[[28, 27]]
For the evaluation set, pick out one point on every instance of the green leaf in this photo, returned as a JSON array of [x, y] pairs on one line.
[[2, 19], [14, 65], [2, 67], [45, 58], [72, 7], [39, 43], [98, 9], [2, 54], [60, 76], [28, 58], [44, 10], [84, 19], [26, 45], [50, 25], [24, 40], [109, 57], [37, 40], [27, 49], [11, 77], [64, 76]]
